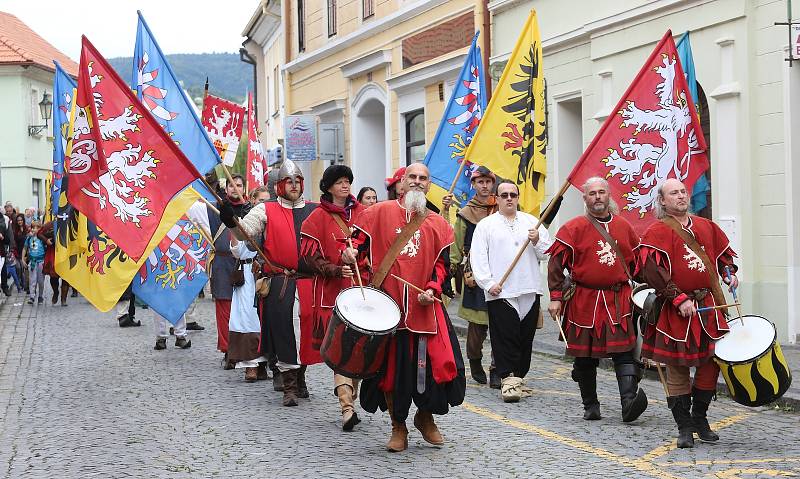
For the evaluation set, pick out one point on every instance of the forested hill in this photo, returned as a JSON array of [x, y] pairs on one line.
[[228, 77]]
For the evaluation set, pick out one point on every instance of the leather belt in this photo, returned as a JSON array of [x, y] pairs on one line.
[[616, 288]]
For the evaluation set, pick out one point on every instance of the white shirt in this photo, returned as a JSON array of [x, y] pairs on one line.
[[244, 315], [495, 243]]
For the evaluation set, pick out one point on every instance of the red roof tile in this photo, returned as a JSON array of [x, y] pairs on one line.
[[19, 45]]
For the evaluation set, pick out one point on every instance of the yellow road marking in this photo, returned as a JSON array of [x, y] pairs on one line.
[[736, 473], [666, 448], [638, 464], [731, 461]]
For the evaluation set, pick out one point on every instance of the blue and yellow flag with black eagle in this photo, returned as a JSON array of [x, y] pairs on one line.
[[63, 95], [512, 137]]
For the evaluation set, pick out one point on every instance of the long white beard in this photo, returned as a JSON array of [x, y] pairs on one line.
[[415, 201]]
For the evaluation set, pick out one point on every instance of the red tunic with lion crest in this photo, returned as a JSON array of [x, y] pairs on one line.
[[597, 319]]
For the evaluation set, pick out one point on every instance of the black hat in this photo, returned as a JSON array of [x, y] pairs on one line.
[[332, 174]]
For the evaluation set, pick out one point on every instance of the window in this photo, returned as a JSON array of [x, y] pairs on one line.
[[331, 18], [276, 89], [301, 25], [36, 187], [367, 8], [415, 136], [36, 116]]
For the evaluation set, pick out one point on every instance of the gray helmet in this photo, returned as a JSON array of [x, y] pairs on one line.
[[289, 170]]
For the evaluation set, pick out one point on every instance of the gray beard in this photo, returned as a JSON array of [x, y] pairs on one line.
[[415, 201]]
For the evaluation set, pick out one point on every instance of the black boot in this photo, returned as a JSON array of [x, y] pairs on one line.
[[476, 369], [289, 387], [680, 406], [494, 379], [277, 380], [633, 399], [302, 389], [127, 321], [700, 402], [586, 377]]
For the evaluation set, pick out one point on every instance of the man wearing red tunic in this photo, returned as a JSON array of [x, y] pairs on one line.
[[278, 223], [597, 319], [683, 337], [321, 244], [423, 261]]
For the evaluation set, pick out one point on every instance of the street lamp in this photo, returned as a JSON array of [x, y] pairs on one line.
[[46, 111]]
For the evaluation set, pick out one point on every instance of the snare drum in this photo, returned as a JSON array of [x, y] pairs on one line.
[[357, 338], [751, 361]]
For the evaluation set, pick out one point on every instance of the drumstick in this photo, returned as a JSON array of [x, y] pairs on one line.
[[358, 274], [661, 377], [560, 328], [733, 292], [398, 278], [722, 306]]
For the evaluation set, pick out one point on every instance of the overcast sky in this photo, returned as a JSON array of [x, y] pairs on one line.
[[180, 26]]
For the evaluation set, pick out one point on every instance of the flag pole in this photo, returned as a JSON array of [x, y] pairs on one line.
[[544, 214]]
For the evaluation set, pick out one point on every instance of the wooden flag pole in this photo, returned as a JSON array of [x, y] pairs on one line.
[[544, 214], [203, 232]]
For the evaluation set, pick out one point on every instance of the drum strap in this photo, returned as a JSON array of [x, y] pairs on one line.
[[405, 234], [691, 242], [342, 225]]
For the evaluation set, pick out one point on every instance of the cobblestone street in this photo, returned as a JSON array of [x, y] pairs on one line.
[[81, 397]]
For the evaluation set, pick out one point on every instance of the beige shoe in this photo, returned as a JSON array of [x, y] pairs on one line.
[[511, 389], [349, 416], [423, 421], [398, 442]]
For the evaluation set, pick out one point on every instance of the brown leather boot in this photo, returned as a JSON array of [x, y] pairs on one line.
[[289, 387], [250, 375], [399, 440], [423, 420], [302, 388], [64, 292], [349, 416]]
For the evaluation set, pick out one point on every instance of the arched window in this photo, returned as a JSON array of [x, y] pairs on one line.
[[415, 136]]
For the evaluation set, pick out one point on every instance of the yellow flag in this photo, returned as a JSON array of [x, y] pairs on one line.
[[512, 137], [91, 262]]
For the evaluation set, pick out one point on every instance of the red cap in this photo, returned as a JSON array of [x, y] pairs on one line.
[[398, 175]]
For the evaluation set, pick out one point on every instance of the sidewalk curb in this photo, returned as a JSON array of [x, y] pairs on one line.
[[786, 402]]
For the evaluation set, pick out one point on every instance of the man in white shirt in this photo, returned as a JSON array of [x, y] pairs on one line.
[[514, 306]]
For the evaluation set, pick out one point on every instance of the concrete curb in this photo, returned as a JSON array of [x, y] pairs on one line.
[[787, 402]]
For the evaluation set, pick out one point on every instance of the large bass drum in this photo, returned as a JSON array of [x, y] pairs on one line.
[[356, 341], [751, 361]]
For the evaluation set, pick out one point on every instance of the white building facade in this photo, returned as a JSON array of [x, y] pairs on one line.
[[593, 50]]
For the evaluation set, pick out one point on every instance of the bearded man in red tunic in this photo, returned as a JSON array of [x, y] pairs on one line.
[[321, 245], [597, 318], [682, 256], [424, 363]]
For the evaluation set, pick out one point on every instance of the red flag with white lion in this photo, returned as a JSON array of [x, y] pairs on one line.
[[223, 121], [653, 134], [256, 158], [123, 167]]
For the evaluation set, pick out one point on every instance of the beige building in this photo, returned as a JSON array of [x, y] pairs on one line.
[[376, 74], [592, 51]]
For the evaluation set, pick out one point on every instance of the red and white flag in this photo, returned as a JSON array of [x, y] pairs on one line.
[[653, 134], [256, 158], [223, 121], [123, 167]]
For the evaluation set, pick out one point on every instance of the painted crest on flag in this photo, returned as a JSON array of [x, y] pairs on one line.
[[181, 255], [256, 156], [223, 121]]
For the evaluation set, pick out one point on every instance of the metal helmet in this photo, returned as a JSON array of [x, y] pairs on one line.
[[289, 170]]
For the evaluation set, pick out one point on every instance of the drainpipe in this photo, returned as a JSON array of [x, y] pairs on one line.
[[486, 44]]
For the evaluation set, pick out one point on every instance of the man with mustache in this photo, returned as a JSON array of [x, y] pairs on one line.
[[682, 256], [514, 305], [597, 250], [424, 363], [289, 301]]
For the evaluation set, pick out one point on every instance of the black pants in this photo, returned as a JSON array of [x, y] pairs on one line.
[[511, 339]]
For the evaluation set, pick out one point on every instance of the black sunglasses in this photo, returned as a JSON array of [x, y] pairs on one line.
[[509, 195]]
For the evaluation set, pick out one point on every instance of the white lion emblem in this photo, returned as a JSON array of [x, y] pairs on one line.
[[651, 164], [692, 260], [606, 254], [412, 247]]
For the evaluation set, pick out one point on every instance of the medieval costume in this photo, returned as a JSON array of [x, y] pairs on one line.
[[321, 245], [473, 302], [679, 262], [289, 301], [597, 317], [222, 267], [244, 328], [423, 261], [514, 313], [47, 235]]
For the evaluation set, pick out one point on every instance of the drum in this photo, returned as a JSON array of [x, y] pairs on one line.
[[646, 306], [357, 338], [751, 361]]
